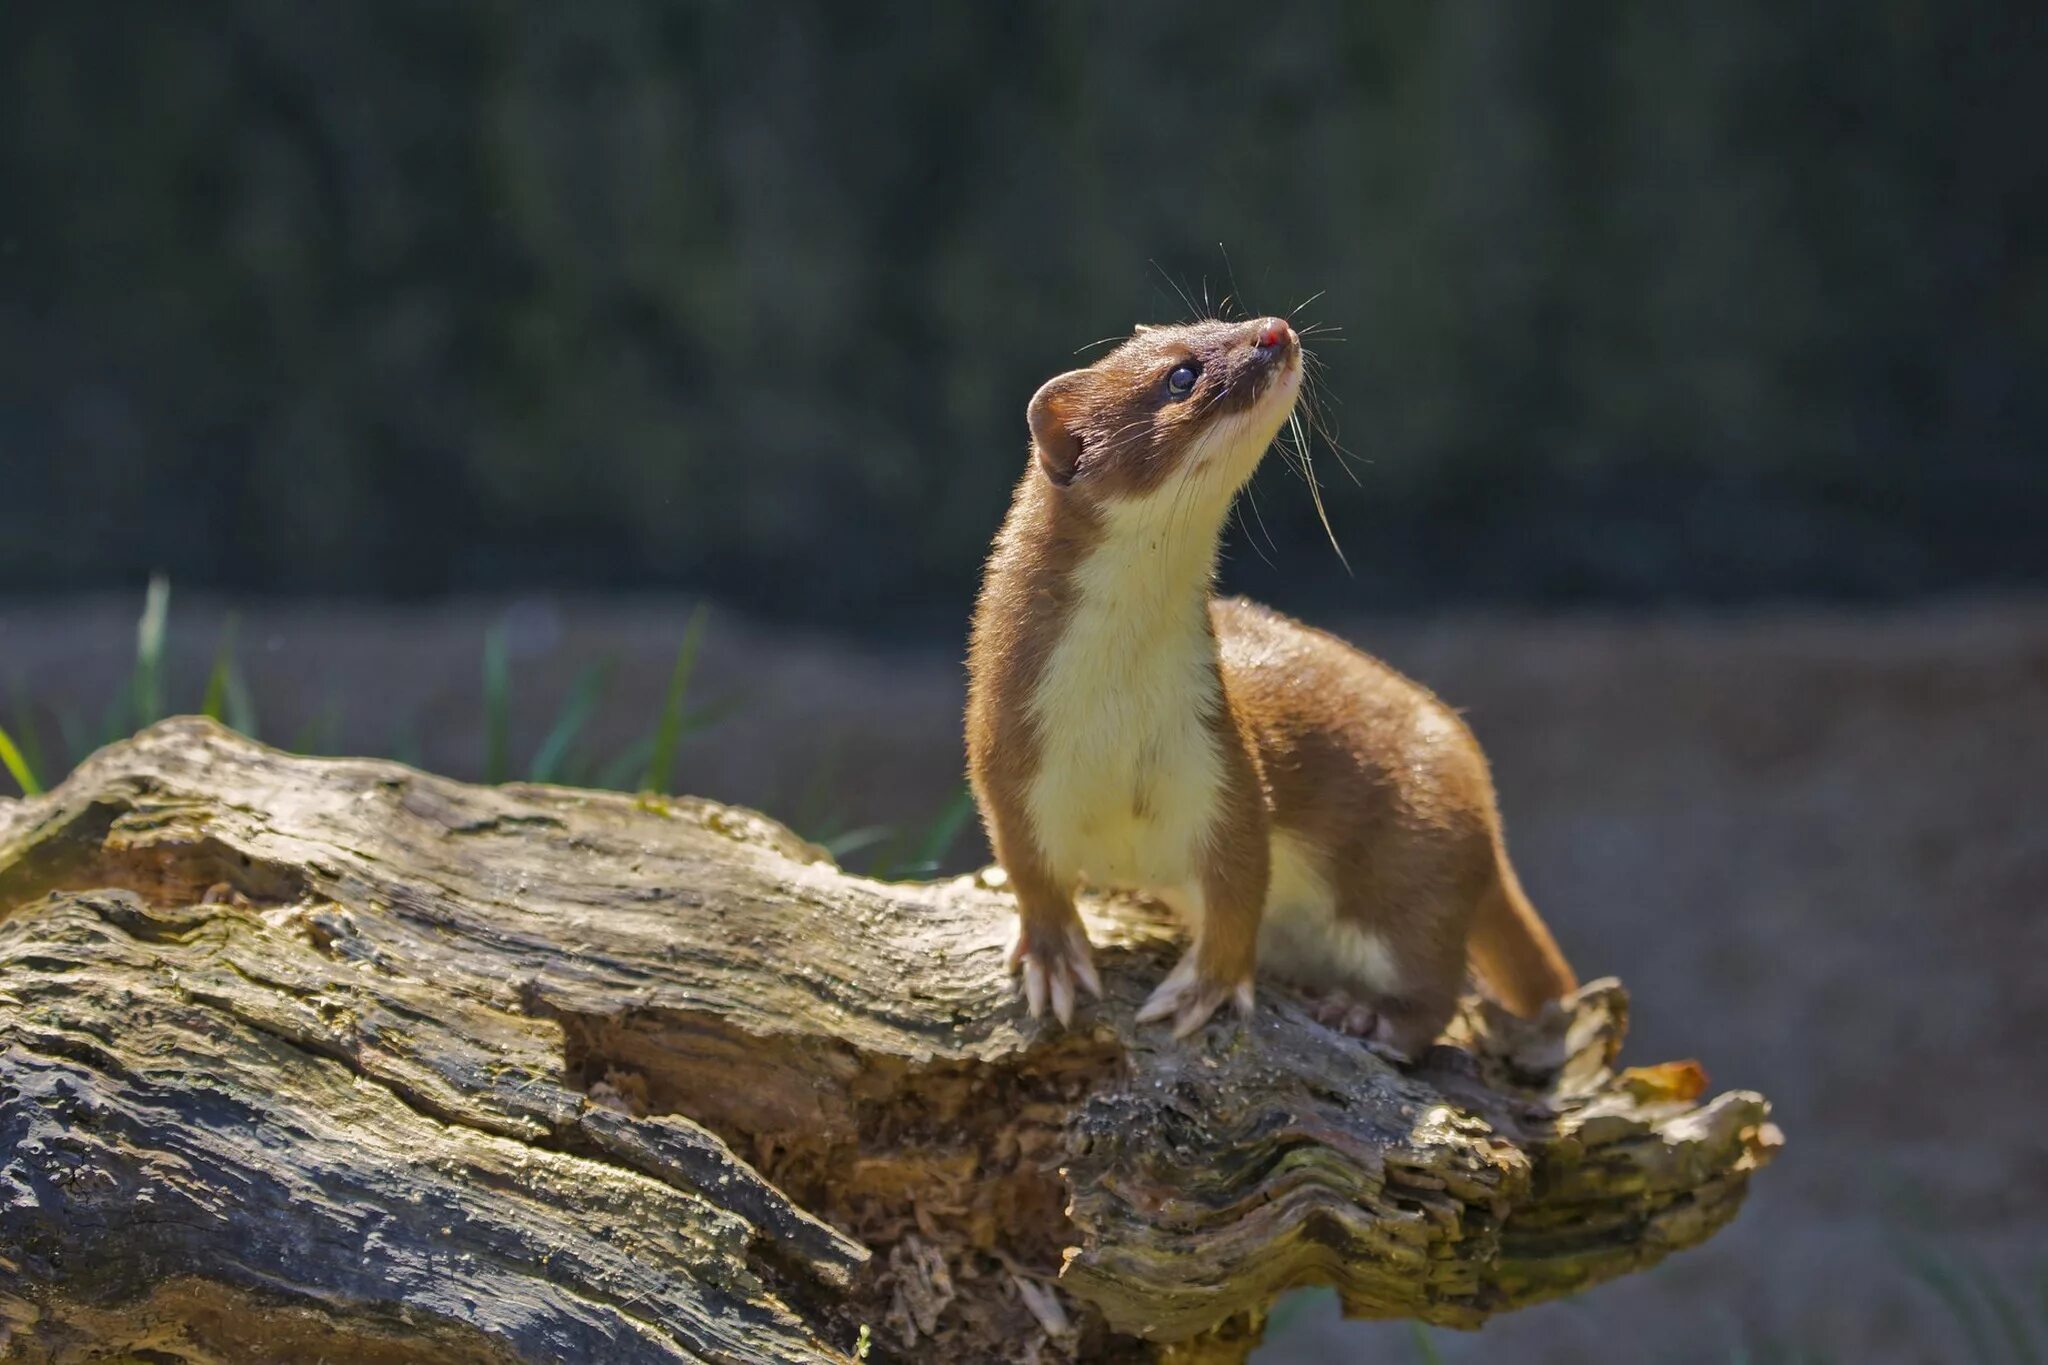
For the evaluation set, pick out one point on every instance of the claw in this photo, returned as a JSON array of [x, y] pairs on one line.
[[1034, 986], [1083, 963], [1055, 976], [1348, 1015], [1063, 994], [1189, 999], [1191, 1019], [1166, 997]]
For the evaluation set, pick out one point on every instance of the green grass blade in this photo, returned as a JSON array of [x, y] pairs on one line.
[[241, 706], [935, 843], [321, 734], [1933, 1271], [883, 866], [668, 734], [854, 840], [944, 832], [1425, 1349], [18, 766], [115, 723], [619, 774], [147, 684], [812, 811], [576, 712], [2005, 1311], [700, 718], [28, 733], [215, 704], [497, 707]]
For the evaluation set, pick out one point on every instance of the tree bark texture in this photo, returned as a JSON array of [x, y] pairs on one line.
[[317, 1058]]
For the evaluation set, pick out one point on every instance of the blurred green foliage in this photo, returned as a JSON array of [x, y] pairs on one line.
[[1694, 299]]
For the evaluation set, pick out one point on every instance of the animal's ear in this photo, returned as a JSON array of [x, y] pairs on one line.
[[1054, 410]]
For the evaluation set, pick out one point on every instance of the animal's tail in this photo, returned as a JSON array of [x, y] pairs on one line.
[[1512, 950]]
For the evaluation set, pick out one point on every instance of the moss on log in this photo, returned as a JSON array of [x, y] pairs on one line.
[[310, 1057]]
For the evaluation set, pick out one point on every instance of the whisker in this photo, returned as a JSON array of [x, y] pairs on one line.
[[1309, 300], [1314, 396], [1251, 496], [1232, 271], [1337, 448], [1175, 285], [1315, 489]]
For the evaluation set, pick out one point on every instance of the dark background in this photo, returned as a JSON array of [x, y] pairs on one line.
[[449, 355], [1702, 301]]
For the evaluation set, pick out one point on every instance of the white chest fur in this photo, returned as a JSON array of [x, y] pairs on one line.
[[1128, 770]]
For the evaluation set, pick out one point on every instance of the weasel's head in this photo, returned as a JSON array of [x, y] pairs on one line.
[[1174, 413]]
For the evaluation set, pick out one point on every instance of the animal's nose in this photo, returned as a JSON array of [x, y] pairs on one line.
[[1273, 334]]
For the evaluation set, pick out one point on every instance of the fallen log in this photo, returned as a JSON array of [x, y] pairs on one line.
[[320, 1058]]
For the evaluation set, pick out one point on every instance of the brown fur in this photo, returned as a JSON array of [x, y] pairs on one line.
[[1026, 595], [1389, 783], [1315, 739]]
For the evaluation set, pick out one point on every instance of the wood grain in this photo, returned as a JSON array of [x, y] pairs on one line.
[[321, 1057]]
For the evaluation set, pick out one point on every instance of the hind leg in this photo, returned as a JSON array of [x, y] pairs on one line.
[[1398, 924], [1390, 972], [1399, 1025]]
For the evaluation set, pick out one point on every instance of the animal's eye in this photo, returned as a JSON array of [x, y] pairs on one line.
[[1181, 382]]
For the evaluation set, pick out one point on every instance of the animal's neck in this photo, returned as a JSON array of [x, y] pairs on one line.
[[1153, 567]]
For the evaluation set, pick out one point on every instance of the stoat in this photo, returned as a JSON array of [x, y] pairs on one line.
[[1298, 803]]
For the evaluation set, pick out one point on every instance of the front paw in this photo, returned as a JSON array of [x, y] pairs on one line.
[[1189, 995], [1053, 967]]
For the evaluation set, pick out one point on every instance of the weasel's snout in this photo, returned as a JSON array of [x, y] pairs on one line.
[[1272, 337], [1274, 344]]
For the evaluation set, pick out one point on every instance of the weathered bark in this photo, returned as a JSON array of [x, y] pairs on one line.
[[307, 1057]]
